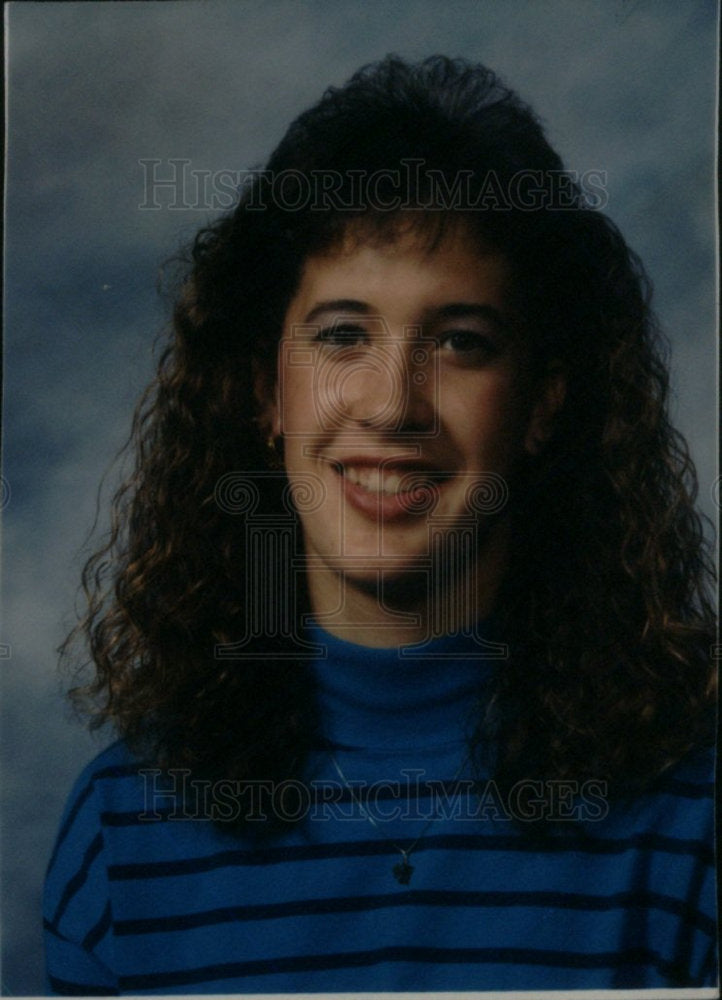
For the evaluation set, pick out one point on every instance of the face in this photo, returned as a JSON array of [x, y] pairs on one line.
[[404, 403]]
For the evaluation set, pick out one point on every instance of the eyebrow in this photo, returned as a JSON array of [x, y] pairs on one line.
[[477, 310], [338, 306], [450, 310]]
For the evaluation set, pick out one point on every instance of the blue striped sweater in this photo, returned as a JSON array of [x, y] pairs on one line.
[[145, 893]]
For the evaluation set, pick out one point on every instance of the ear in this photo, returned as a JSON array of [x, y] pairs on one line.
[[265, 390], [551, 392]]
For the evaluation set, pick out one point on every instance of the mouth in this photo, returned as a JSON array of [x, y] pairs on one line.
[[390, 482], [388, 488]]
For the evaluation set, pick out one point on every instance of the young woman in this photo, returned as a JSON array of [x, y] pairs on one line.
[[404, 619]]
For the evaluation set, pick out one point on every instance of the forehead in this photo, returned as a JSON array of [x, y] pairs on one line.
[[406, 258]]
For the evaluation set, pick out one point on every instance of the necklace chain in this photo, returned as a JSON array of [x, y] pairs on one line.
[[402, 870]]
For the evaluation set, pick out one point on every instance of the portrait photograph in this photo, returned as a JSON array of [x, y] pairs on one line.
[[360, 498]]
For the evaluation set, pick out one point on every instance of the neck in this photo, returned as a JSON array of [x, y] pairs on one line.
[[423, 697], [385, 609]]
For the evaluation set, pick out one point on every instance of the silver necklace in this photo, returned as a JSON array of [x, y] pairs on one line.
[[402, 870]]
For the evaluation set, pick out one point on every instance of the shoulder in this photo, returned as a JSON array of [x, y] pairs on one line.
[[677, 805], [113, 777], [80, 817], [119, 809], [97, 780]]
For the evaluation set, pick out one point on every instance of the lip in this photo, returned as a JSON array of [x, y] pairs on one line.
[[424, 482]]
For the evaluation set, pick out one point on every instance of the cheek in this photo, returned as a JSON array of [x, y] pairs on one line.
[[296, 398], [488, 423], [315, 398]]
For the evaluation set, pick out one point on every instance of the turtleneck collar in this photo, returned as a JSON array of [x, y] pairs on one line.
[[421, 696]]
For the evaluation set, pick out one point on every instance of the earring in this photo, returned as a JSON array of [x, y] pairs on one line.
[[274, 451], [272, 444]]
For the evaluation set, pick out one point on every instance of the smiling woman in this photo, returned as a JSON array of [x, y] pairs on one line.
[[404, 620]]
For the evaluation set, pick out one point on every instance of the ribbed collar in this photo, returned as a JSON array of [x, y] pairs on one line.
[[424, 696]]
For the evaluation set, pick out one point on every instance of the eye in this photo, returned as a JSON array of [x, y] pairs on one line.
[[341, 335], [469, 345]]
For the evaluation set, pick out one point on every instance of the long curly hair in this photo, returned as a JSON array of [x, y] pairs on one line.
[[605, 605]]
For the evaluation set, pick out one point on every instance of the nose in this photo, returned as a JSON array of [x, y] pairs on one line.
[[389, 388]]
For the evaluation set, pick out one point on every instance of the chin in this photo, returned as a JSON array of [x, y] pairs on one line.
[[370, 568], [394, 582]]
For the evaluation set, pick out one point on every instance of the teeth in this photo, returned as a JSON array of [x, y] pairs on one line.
[[375, 480]]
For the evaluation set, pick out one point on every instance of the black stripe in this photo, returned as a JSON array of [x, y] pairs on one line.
[[356, 959], [118, 819], [416, 897], [65, 988], [75, 883], [365, 848], [119, 771], [98, 932]]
